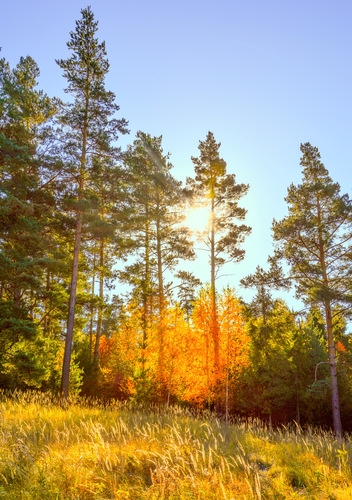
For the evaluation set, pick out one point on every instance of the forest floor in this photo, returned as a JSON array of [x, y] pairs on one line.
[[123, 452]]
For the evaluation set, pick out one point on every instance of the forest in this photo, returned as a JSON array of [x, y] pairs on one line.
[[82, 219]]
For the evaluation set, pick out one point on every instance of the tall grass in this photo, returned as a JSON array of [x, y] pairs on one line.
[[85, 451]]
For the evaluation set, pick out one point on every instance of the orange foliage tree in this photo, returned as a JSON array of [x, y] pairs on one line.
[[198, 359], [121, 355], [234, 345], [145, 365], [212, 371], [185, 363]]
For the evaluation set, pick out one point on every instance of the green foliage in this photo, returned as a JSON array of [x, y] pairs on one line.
[[281, 373], [219, 190], [27, 230], [315, 238], [160, 240], [89, 129]]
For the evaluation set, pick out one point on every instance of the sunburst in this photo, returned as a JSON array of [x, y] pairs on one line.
[[197, 218]]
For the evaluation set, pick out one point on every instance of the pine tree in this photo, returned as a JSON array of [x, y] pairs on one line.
[[160, 241], [264, 282], [90, 128], [220, 192], [27, 211], [315, 239]]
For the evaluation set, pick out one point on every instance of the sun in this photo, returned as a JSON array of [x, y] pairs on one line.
[[197, 218]]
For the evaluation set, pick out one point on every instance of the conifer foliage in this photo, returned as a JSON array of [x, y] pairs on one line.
[[89, 127], [315, 239], [220, 192], [27, 204]]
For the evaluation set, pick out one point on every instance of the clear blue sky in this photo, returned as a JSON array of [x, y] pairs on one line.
[[263, 76]]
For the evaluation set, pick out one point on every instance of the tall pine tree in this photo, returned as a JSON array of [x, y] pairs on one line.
[[315, 239], [219, 191], [90, 128]]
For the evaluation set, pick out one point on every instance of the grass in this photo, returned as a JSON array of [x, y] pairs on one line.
[[124, 452]]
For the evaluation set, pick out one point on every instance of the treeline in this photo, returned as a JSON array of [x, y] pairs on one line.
[[79, 215]]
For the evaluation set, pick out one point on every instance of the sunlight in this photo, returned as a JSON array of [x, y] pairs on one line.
[[197, 218]]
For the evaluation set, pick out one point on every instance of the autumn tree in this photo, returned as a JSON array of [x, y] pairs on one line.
[[315, 240], [234, 345], [209, 380], [90, 127]]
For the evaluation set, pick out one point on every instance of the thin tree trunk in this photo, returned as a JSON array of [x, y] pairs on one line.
[[334, 385], [227, 363], [100, 308], [65, 381], [92, 312], [227, 395], [270, 420], [336, 417], [170, 378], [207, 367], [31, 310], [46, 306], [17, 296], [146, 289], [298, 413], [214, 322], [161, 304]]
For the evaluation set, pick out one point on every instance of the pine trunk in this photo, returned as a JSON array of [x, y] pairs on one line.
[[65, 381], [100, 308], [336, 417], [214, 322], [146, 289], [92, 312], [329, 328], [161, 303]]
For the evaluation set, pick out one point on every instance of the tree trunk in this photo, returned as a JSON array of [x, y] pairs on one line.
[[336, 417], [146, 290], [46, 306], [92, 312], [329, 328], [170, 379], [161, 304], [298, 413], [65, 381], [227, 395], [214, 322], [227, 364], [100, 308]]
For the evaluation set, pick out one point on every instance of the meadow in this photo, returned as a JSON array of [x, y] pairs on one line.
[[124, 451]]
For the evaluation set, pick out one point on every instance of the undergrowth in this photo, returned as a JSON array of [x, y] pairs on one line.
[[86, 451]]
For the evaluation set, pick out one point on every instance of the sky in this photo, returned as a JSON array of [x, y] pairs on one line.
[[263, 76]]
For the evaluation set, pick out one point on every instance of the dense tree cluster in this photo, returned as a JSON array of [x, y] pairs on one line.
[[78, 215]]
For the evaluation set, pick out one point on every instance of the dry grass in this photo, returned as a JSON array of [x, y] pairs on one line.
[[123, 452]]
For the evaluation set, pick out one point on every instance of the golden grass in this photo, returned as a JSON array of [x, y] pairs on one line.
[[123, 452]]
